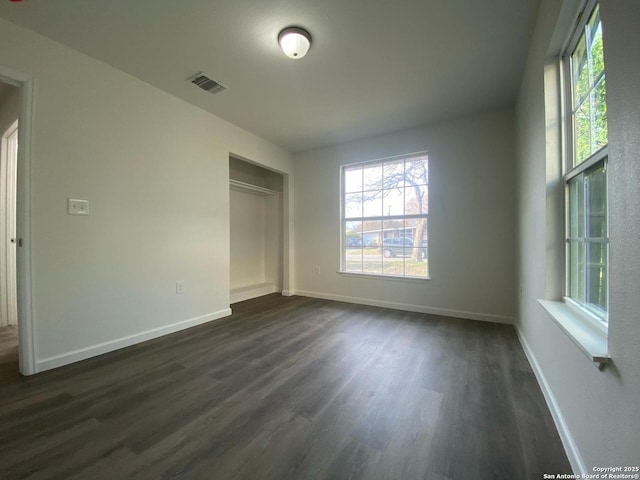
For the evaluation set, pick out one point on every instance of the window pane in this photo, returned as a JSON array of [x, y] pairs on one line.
[[371, 253], [371, 233], [417, 170], [393, 173], [416, 263], [582, 133], [353, 234], [580, 68], [353, 260], [596, 192], [416, 200], [420, 237], [576, 207], [353, 205], [392, 247], [372, 204], [595, 48], [372, 177], [396, 247], [598, 98], [407, 247], [353, 179], [577, 272], [574, 203], [393, 229], [393, 202], [353, 246], [393, 265], [597, 275], [372, 260], [416, 229]]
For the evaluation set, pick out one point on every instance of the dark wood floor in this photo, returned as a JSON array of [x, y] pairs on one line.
[[289, 388], [8, 356]]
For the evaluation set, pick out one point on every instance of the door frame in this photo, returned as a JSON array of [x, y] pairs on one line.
[[26, 337]]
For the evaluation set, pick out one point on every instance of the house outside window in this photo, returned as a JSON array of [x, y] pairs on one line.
[[385, 210]]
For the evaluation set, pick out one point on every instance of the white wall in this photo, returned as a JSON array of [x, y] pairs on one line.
[[155, 171], [597, 411], [471, 224], [248, 239]]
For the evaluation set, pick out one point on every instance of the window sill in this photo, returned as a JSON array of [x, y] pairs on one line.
[[590, 339], [385, 277]]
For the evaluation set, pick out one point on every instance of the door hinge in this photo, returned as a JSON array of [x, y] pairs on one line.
[[17, 241]]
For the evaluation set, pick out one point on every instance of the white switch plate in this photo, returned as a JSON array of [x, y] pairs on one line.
[[180, 287], [77, 207]]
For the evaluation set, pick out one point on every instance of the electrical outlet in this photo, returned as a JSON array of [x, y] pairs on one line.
[[317, 270], [77, 207], [180, 287]]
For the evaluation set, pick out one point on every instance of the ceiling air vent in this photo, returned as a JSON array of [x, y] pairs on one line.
[[208, 84]]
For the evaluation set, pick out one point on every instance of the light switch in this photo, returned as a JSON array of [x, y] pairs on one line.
[[77, 207]]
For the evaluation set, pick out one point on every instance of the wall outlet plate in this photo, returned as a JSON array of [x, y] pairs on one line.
[[180, 287], [77, 207]]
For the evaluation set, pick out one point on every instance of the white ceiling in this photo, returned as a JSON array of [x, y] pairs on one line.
[[375, 66]]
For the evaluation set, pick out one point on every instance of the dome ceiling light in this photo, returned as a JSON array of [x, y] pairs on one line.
[[295, 42]]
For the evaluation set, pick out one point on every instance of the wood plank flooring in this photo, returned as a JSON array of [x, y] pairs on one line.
[[289, 388], [8, 354]]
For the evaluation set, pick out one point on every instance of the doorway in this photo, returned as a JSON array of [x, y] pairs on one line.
[[9, 112], [16, 108]]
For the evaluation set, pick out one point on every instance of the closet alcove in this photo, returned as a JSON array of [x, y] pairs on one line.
[[256, 230]]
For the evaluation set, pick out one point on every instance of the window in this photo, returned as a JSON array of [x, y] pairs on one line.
[[586, 167], [385, 207]]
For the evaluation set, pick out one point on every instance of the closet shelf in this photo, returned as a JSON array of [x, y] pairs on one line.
[[247, 187]]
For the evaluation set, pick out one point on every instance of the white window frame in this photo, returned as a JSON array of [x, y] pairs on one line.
[[344, 219], [597, 318]]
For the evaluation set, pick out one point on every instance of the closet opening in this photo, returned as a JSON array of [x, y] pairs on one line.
[[256, 230]]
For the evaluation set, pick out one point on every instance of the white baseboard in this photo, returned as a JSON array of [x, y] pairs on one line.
[[252, 291], [288, 293], [105, 347], [570, 447], [484, 317]]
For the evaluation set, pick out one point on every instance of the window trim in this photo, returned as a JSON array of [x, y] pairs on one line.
[[343, 218]]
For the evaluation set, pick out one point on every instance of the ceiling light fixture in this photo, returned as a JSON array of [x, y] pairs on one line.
[[294, 41]]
